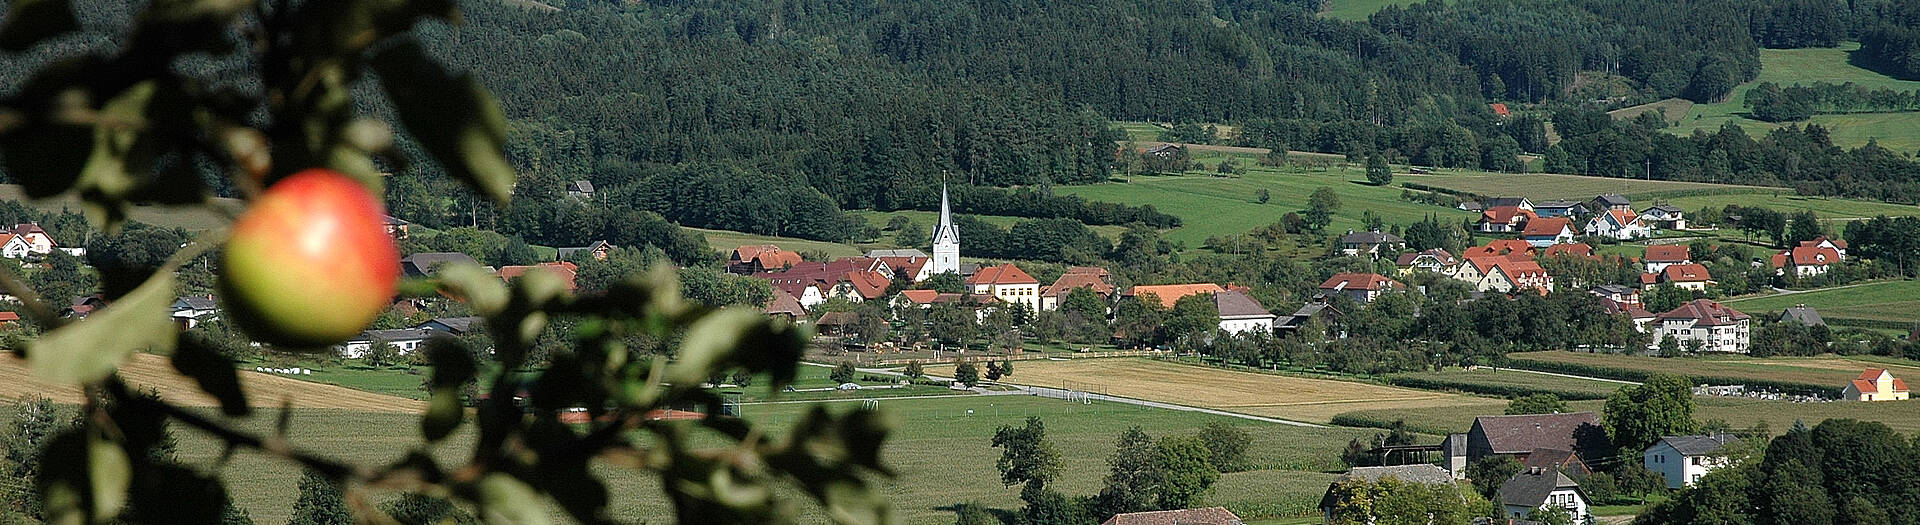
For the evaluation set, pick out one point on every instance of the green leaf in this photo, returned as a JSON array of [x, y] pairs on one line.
[[508, 500], [452, 368], [213, 372], [109, 473], [32, 21], [481, 290], [710, 343], [91, 349], [121, 148], [452, 116], [444, 414]]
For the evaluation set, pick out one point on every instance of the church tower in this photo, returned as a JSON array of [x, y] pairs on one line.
[[946, 240]]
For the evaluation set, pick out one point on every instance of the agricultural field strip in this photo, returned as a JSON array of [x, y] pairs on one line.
[[1830, 370], [263, 390], [1891, 300]]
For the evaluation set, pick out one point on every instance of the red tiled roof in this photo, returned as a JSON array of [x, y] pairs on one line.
[[1005, 273], [748, 252], [1685, 273], [1705, 312], [1804, 255], [566, 271], [869, 284], [1089, 270], [1668, 253], [905, 266], [1360, 281], [1171, 293], [1578, 249], [1506, 214], [1548, 226], [1500, 109], [8, 317], [920, 296], [1206, 516], [1067, 282], [784, 303]]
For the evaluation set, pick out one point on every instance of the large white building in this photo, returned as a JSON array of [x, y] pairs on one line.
[[1717, 327], [946, 241], [1683, 459]]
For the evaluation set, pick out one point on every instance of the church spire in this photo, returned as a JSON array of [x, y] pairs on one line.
[[946, 239]]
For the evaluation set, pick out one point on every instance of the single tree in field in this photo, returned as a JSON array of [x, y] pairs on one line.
[[915, 370], [1026, 457], [1130, 478], [1378, 171], [993, 370], [966, 374], [1185, 472], [320, 503], [1320, 208], [1006, 367], [1262, 196], [842, 373], [1536, 404], [1227, 444], [1636, 416]]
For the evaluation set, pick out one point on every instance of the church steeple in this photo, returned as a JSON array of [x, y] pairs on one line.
[[946, 239]]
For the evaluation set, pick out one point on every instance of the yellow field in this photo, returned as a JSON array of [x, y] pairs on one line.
[[152, 371], [1295, 398]]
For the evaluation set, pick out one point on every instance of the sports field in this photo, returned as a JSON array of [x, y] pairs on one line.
[[1270, 395], [152, 371], [1899, 132], [1888, 301], [942, 452], [1823, 370]]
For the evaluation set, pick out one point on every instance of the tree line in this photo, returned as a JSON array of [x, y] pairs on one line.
[[1772, 103]]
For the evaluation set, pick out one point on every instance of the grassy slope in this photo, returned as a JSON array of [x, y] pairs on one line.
[[1893, 300], [1896, 131], [1902, 416], [1357, 9], [1544, 186], [942, 453]]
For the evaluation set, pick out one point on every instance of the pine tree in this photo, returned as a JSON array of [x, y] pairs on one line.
[[321, 503]]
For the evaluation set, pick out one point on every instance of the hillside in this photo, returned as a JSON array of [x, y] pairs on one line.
[[190, 219], [1899, 132]]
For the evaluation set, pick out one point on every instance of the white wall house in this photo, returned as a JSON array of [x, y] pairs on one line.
[[1240, 314], [1618, 224], [406, 340], [1008, 283], [1683, 459], [1542, 488], [1717, 327]]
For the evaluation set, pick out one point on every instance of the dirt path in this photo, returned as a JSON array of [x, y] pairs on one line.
[[152, 371]]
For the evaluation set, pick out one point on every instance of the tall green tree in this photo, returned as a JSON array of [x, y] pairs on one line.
[[1378, 171], [320, 503], [1130, 477], [1227, 444], [1026, 457], [1536, 404], [1321, 205], [1184, 472], [1637, 416]]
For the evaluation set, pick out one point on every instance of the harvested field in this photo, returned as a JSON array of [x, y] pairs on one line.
[[153, 371], [1286, 397], [1823, 370]]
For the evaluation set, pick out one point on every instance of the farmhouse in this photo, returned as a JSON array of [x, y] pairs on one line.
[[1092, 278], [1683, 459], [429, 264], [598, 251], [36, 239], [580, 189], [1717, 327], [1801, 314], [406, 340], [761, 258], [397, 227], [1544, 232], [1824, 242], [1619, 224], [1240, 314], [1504, 274], [190, 310], [1538, 488], [1557, 209], [1008, 283], [1807, 260], [1504, 219], [1557, 459], [1875, 385], [1659, 256], [1370, 243], [456, 326], [1520, 436], [1689, 276], [1205, 516], [912, 265], [564, 270], [1517, 202], [1361, 287], [1579, 249], [1171, 293], [784, 305], [1435, 260], [1623, 295], [1422, 474], [1665, 217], [1609, 202], [1324, 313]]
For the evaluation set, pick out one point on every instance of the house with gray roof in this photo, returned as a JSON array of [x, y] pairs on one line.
[[1370, 243], [1548, 209], [1540, 488], [580, 189], [428, 264], [1519, 436], [455, 326], [1800, 313], [406, 340], [1242, 314], [598, 250], [1422, 474], [1683, 459]]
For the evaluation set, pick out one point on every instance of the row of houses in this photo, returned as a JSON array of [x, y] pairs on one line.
[[1609, 215]]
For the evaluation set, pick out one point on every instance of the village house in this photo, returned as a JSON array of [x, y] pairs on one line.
[[1320, 312], [1689, 276], [1609, 201], [1204, 516], [1823, 242], [1502, 248], [1547, 209], [1717, 327], [39, 242], [1092, 278], [1500, 110], [429, 264], [1538, 488], [1171, 293], [1557, 459], [191, 310], [598, 251], [1361, 287], [1802, 315], [1435, 260], [567, 272], [1421, 474], [405, 340], [1370, 243], [1806, 260], [1620, 224], [785, 306], [910, 264], [457, 326], [1875, 385], [855, 279], [14, 246], [1503, 219], [1624, 295], [1008, 283], [1516, 202], [1505, 274], [1683, 459], [761, 258], [1659, 256], [580, 189], [1166, 151], [397, 227], [1665, 217], [1519, 436], [1544, 232], [1579, 249], [1241, 314]]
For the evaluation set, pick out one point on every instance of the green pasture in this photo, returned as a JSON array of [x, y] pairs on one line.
[[1357, 9], [1889, 301], [1895, 131], [725, 241], [1579, 188], [941, 451], [1485, 377]]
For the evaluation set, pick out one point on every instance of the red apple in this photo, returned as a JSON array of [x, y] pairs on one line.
[[310, 264]]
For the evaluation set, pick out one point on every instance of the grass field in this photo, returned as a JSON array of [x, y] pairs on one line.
[[1822, 370], [942, 453], [1673, 110], [1890, 301], [1508, 379], [1544, 186], [1285, 397], [1895, 131], [1784, 201], [152, 371], [1357, 9], [726, 241], [186, 218], [1902, 416]]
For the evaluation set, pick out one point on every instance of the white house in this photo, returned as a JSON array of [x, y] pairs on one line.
[[1807, 260], [1008, 283], [189, 311], [1542, 488], [407, 340], [1548, 231], [1659, 256], [1618, 224], [1717, 327], [1241, 314], [14, 246], [36, 237], [1665, 216], [1683, 459], [1435, 260], [1875, 385], [1362, 287], [1370, 243]]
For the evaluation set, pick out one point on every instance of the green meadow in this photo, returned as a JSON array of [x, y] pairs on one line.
[[1899, 132]]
